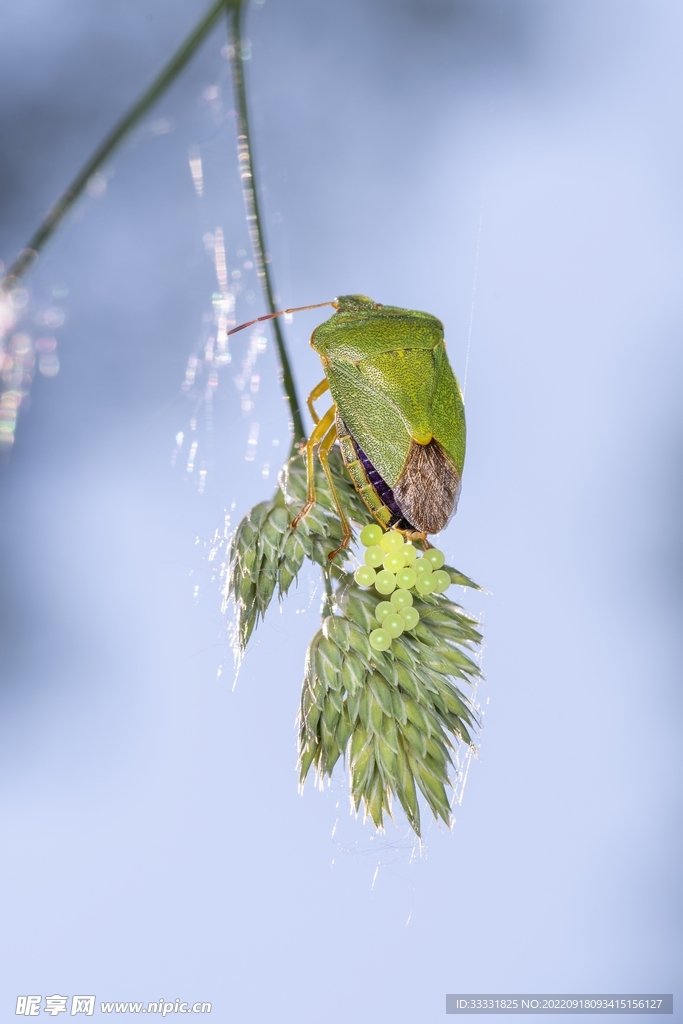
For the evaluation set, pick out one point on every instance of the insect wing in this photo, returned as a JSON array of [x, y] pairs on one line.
[[392, 399], [372, 418]]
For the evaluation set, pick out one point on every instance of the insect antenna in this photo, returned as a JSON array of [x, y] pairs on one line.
[[282, 312]]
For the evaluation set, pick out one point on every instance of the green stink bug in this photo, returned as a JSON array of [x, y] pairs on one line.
[[397, 414]]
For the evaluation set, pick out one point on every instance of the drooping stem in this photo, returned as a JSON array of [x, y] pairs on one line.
[[255, 221], [61, 207]]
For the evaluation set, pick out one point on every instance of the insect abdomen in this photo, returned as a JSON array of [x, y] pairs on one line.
[[374, 491]]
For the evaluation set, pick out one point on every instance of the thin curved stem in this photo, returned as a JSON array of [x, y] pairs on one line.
[[254, 219], [165, 77]]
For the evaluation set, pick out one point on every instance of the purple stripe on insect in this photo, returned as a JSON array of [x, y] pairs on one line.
[[382, 487]]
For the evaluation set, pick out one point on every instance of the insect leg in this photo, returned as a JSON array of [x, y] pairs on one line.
[[317, 434], [413, 535], [323, 454], [317, 391]]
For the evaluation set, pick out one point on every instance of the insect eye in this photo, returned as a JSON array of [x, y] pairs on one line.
[[355, 303]]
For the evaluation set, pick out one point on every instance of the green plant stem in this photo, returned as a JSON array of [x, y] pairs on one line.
[[254, 219], [59, 209], [328, 600]]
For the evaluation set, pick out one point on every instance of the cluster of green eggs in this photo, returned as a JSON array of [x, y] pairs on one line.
[[394, 569]]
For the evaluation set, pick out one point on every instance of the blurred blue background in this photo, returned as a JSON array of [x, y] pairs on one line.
[[513, 168]]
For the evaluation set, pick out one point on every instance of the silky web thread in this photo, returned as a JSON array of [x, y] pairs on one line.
[[462, 772], [474, 293]]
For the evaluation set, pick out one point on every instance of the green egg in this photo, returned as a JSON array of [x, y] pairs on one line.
[[371, 534], [392, 541], [425, 583], [385, 582], [443, 581], [374, 556], [383, 608], [406, 578], [422, 565], [410, 617], [435, 556], [400, 599], [394, 560], [364, 575], [380, 639], [394, 624], [409, 553]]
